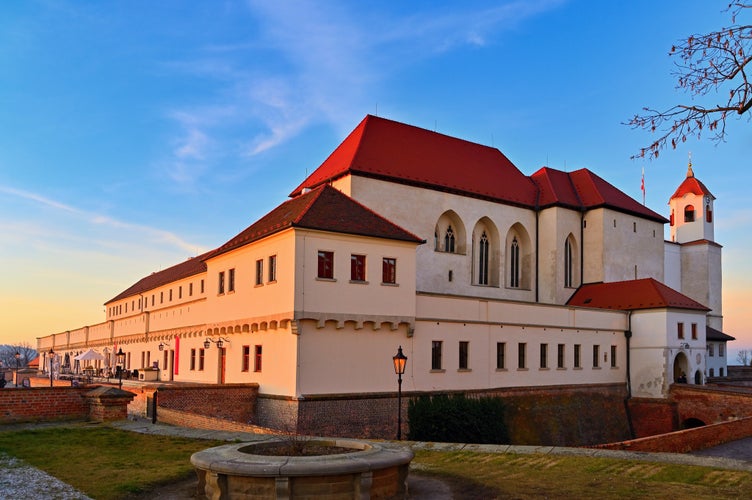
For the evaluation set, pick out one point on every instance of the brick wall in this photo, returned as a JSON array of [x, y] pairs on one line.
[[188, 419], [711, 404], [38, 404], [234, 402], [653, 416], [557, 415], [688, 440]]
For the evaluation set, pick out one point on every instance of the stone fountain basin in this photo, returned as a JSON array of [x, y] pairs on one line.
[[370, 470]]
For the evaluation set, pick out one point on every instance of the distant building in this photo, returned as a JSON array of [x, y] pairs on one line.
[[486, 277]]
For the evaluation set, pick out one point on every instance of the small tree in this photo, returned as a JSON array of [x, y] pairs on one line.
[[743, 357], [709, 65]]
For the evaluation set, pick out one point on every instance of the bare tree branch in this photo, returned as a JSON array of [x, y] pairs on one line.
[[709, 66]]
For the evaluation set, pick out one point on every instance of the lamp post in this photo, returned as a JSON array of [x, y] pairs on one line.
[[18, 357], [400, 360], [52, 358], [121, 362]]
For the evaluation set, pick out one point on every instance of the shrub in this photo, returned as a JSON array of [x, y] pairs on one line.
[[457, 419]]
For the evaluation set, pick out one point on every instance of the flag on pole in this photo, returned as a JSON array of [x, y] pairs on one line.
[[642, 185]]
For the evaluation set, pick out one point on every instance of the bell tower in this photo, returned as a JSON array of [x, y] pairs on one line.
[[691, 211], [692, 228]]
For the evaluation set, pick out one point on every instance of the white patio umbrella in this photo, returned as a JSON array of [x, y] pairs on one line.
[[90, 355]]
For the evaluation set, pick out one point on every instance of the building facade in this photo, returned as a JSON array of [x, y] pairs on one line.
[[487, 278]]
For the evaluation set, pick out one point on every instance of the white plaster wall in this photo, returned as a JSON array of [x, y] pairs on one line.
[[702, 275], [672, 265], [555, 225], [418, 210], [700, 228], [717, 361], [353, 299]]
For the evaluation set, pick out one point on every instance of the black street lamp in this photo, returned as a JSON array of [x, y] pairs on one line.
[[52, 358], [121, 362], [18, 357], [400, 360]]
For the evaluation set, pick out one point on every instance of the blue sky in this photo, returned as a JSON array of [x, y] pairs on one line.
[[136, 134]]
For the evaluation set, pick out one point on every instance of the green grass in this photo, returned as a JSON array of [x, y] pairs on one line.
[[107, 463], [485, 475], [103, 462]]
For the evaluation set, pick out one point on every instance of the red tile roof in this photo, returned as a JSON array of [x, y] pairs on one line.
[[691, 185], [325, 209], [190, 267], [396, 152], [582, 189], [646, 293], [393, 151]]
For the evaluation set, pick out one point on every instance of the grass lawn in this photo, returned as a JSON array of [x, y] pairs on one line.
[[486, 475], [103, 462], [107, 463]]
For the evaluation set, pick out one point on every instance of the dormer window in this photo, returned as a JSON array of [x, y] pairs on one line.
[[689, 213]]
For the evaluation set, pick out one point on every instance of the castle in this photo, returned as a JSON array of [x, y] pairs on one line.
[[487, 278]]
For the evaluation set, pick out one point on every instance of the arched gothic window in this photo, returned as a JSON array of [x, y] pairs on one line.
[[483, 260], [689, 213], [568, 264], [514, 264], [449, 240]]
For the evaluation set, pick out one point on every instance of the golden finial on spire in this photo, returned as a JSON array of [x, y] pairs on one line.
[[690, 172]]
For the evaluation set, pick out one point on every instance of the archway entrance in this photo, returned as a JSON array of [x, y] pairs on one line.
[[681, 367]]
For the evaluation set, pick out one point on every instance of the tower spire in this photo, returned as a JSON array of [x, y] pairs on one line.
[[690, 172]]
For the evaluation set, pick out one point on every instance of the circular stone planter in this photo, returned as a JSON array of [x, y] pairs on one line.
[[369, 470]]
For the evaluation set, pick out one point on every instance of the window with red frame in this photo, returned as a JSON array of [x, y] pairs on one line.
[[357, 267], [257, 352], [246, 358], [326, 265], [389, 270]]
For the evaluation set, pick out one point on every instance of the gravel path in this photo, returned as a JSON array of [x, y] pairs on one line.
[[20, 480]]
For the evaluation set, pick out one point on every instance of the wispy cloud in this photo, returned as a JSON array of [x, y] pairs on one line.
[[330, 58]]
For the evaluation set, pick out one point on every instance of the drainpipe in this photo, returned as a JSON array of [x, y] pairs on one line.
[[628, 337]]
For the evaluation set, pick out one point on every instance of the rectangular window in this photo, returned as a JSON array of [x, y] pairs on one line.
[[246, 365], [680, 330], [501, 351], [544, 355], [202, 286], [389, 270], [464, 347], [596, 355], [436, 355], [357, 268], [711, 350], [259, 272], [326, 265], [180, 292], [560, 356], [164, 360], [193, 359], [720, 351], [161, 297], [231, 280], [613, 356], [272, 269], [577, 349], [148, 359], [170, 299], [694, 331], [190, 289], [152, 300], [521, 355], [200, 359], [257, 352], [221, 283]]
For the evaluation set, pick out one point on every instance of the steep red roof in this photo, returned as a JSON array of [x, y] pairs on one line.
[[190, 267], [325, 209], [630, 295], [389, 150], [691, 185]]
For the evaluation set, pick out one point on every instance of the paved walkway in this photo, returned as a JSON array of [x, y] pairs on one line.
[[731, 456]]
